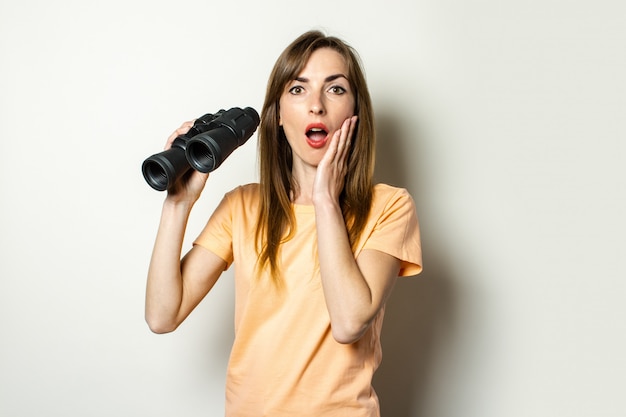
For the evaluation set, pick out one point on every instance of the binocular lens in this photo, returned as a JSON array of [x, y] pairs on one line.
[[163, 169], [201, 158], [155, 175]]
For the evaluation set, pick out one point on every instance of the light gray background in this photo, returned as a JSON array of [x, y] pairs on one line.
[[504, 119]]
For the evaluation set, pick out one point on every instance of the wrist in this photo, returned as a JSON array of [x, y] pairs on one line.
[[326, 204], [171, 204]]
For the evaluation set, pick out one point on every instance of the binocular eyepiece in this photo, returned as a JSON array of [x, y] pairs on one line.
[[211, 139]]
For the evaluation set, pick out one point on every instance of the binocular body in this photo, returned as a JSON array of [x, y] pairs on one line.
[[211, 139]]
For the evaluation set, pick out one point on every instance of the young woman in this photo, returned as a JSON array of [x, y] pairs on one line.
[[316, 246]]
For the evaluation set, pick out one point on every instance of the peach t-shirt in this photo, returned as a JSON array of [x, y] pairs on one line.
[[284, 360]]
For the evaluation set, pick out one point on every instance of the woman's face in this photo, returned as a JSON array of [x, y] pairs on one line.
[[315, 104]]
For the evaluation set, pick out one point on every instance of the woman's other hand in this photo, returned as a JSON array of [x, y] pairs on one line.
[[189, 187]]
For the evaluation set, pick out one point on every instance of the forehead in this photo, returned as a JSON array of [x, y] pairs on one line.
[[324, 61]]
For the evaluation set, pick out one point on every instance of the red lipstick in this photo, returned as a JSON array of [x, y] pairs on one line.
[[316, 135]]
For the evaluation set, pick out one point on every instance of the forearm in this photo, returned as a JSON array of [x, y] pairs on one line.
[[348, 296], [164, 290]]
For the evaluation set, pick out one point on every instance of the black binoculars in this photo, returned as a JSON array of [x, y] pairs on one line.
[[207, 144]]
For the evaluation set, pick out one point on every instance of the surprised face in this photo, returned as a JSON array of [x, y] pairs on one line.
[[314, 106]]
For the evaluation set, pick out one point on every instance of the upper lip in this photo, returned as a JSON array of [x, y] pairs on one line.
[[317, 126]]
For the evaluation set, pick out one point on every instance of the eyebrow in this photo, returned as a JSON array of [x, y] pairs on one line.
[[327, 79]]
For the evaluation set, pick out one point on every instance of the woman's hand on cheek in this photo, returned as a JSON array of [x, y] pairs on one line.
[[332, 169]]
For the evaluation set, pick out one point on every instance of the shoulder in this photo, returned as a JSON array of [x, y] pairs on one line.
[[242, 201], [385, 195], [392, 204], [247, 192]]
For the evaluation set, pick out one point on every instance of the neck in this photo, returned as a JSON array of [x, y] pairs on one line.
[[304, 177]]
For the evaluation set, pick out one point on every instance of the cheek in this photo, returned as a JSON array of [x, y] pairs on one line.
[[281, 115], [287, 116], [346, 107], [290, 134], [353, 106], [284, 114]]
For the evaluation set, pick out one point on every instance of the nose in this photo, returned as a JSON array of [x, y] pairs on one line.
[[316, 105]]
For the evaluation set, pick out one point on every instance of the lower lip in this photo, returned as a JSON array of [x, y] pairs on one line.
[[317, 143]]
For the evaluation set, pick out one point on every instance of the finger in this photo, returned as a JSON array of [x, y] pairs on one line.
[[353, 123], [347, 130], [331, 152], [184, 128]]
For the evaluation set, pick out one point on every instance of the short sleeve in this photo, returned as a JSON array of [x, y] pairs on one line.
[[217, 235], [396, 231]]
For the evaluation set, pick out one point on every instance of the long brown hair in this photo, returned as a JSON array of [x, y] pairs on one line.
[[276, 222]]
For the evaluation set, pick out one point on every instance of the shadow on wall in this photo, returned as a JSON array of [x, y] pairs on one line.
[[421, 307]]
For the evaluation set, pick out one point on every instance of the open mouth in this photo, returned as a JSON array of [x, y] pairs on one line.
[[317, 135]]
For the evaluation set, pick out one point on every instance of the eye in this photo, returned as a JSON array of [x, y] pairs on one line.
[[296, 89], [337, 89]]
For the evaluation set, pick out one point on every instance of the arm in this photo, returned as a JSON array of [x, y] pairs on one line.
[[175, 286], [355, 290]]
